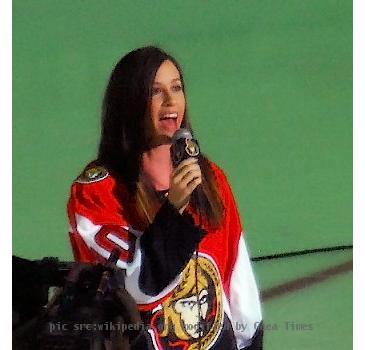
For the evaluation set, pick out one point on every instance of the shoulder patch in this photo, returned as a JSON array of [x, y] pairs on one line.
[[93, 174]]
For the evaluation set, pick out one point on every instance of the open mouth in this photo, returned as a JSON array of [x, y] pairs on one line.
[[168, 116], [168, 122]]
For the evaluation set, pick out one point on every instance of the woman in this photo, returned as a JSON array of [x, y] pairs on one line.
[[133, 199]]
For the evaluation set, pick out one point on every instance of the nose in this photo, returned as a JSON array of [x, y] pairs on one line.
[[169, 99]]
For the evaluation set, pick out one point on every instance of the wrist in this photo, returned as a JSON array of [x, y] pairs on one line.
[[180, 208]]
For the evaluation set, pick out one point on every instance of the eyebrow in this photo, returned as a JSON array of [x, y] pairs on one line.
[[173, 80]]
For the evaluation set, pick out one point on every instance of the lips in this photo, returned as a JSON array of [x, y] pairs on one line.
[[168, 121], [167, 116]]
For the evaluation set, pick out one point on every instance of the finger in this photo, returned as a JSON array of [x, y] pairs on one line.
[[192, 185], [186, 187], [186, 175], [184, 163], [191, 175], [185, 170]]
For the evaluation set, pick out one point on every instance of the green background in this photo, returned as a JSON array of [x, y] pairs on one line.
[[269, 87]]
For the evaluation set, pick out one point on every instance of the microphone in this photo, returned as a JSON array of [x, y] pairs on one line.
[[183, 146]]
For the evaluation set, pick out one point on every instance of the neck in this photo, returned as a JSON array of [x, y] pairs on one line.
[[157, 166], [160, 154]]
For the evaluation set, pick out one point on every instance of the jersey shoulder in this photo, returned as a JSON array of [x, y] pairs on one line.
[[92, 173], [97, 196]]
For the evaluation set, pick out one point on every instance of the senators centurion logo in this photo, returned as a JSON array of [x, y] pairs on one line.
[[192, 316], [191, 147]]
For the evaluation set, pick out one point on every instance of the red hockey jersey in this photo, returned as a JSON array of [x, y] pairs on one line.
[[213, 302]]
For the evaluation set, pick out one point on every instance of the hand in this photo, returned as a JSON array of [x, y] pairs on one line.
[[183, 181]]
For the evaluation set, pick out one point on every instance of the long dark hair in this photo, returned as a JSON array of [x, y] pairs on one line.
[[123, 133]]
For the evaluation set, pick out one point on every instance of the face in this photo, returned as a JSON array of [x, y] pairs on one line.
[[189, 311], [167, 102]]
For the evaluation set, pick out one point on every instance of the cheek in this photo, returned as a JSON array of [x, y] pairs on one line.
[[182, 108], [182, 102], [155, 107]]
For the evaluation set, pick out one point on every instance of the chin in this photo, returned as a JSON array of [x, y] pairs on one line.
[[165, 133], [161, 140]]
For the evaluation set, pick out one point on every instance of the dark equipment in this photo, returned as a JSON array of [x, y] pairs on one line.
[[89, 309]]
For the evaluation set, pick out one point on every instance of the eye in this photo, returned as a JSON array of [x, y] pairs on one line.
[[190, 304], [203, 300], [177, 88], [156, 91]]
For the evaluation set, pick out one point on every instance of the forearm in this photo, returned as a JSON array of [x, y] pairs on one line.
[[167, 245]]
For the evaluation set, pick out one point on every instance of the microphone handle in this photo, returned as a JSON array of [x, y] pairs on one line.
[[182, 149]]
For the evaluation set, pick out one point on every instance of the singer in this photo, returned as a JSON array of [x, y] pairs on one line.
[[175, 224]]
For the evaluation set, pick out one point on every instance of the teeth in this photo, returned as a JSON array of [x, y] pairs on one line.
[[169, 115]]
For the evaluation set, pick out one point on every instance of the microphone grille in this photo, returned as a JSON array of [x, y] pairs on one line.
[[181, 133]]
